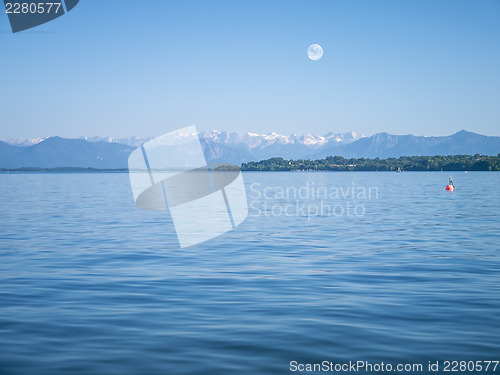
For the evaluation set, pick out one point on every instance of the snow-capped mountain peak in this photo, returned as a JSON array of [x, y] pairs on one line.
[[25, 142], [249, 146]]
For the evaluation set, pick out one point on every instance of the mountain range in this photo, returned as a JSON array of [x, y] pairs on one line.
[[220, 146]]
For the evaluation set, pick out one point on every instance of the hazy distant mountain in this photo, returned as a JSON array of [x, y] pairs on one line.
[[128, 141], [236, 148], [220, 146], [383, 145], [252, 146], [25, 142], [61, 152], [220, 153]]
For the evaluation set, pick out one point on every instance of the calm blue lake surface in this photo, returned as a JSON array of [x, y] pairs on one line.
[[90, 284]]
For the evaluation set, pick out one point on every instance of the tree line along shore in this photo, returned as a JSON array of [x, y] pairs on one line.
[[404, 163], [336, 163]]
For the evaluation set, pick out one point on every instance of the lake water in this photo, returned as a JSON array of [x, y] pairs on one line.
[[406, 272]]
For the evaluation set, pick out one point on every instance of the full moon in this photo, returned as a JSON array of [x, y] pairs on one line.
[[315, 52]]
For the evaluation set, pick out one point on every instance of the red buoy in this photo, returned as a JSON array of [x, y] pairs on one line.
[[450, 187]]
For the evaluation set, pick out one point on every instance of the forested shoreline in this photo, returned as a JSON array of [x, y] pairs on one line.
[[338, 163], [405, 163]]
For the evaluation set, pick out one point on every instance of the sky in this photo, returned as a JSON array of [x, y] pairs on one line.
[[123, 68]]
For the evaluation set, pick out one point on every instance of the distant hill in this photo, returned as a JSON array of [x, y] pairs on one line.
[[107, 153], [233, 147], [252, 146], [383, 145], [56, 152]]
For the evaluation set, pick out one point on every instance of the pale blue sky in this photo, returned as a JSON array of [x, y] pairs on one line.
[[122, 67]]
